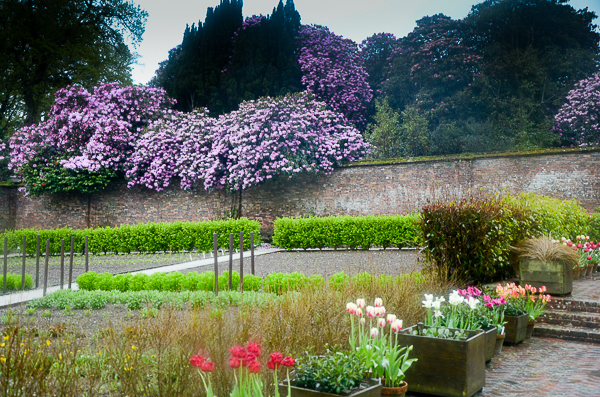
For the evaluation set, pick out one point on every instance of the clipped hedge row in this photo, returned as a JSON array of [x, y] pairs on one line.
[[594, 232], [14, 281], [143, 237], [277, 283], [347, 232], [135, 300]]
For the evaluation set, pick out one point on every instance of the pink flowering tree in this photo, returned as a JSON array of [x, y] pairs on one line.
[[578, 120], [264, 139], [86, 139], [332, 68]]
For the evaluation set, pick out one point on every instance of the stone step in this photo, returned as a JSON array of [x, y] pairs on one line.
[[573, 305], [569, 333], [571, 319]]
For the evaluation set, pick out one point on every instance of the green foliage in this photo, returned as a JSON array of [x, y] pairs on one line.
[[559, 218], [384, 133], [143, 237], [14, 281], [347, 231], [332, 373], [594, 230], [282, 282], [136, 300], [472, 237], [414, 134]]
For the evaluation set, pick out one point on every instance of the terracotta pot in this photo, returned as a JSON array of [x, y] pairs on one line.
[[499, 343], [530, 325], [395, 391]]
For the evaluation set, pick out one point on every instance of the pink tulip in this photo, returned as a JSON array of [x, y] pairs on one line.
[[391, 318], [371, 311], [359, 312], [360, 303], [381, 322], [374, 332], [397, 325], [363, 320], [378, 302]]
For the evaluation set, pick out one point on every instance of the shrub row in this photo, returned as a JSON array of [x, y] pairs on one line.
[[143, 237], [347, 232], [594, 227], [277, 283], [135, 300], [14, 281]]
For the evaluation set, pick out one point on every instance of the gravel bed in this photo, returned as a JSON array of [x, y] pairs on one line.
[[327, 262]]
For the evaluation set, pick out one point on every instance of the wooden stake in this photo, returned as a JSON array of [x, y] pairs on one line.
[[71, 260], [5, 264], [24, 259], [62, 262], [37, 261], [216, 264], [46, 266], [230, 259]]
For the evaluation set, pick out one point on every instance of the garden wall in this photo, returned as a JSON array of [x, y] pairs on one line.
[[354, 190]]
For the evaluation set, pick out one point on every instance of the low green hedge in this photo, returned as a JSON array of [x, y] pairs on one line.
[[594, 231], [277, 283], [143, 237], [161, 281], [13, 281], [135, 300], [347, 231]]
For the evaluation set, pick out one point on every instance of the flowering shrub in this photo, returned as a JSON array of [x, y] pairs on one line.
[[86, 139], [586, 249], [260, 141], [333, 70], [578, 120]]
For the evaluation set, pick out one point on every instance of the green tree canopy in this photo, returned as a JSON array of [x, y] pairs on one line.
[[49, 44]]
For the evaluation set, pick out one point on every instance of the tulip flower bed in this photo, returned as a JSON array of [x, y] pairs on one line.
[[112, 353]]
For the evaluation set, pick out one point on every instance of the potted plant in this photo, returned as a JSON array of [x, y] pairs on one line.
[[381, 354], [547, 262], [450, 361], [335, 373], [514, 314]]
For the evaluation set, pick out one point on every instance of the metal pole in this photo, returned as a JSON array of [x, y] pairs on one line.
[[5, 264], [252, 252], [46, 266], [87, 263], [71, 260], [37, 261], [230, 259], [242, 261], [216, 264], [24, 260], [62, 262]]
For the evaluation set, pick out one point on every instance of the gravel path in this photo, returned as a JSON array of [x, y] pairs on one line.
[[327, 263]]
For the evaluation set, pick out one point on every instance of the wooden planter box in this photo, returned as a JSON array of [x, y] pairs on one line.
[[556, 276], [515, 328], [374, 390], [445, 367], [490, 343]]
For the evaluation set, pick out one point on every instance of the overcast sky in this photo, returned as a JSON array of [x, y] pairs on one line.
[[354, 19]]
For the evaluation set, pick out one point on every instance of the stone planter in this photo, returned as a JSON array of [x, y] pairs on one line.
[[530, 325], [490, 343], [445, 367], [557, 277], [499, 343], [372, 390], [515, 328]]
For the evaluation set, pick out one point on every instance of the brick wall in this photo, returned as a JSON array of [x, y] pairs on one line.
[[7, 208], [354, 190]]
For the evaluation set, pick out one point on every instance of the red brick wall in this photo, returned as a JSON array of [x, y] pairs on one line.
[[376, 189]]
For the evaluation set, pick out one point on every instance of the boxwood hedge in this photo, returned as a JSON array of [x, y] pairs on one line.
[[352, 232], [143, 237]]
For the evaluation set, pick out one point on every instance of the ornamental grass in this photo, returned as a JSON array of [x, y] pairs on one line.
[[150, 355]]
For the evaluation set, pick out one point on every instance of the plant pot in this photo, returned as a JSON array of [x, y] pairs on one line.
[[515, 328], [590, 270], [395, 391], [373, 390], [490, 342], [499, 343], [529, 332], [445, 367], [557, 276]]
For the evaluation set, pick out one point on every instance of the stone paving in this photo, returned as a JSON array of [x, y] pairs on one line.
[[544, 367], [586, 290]]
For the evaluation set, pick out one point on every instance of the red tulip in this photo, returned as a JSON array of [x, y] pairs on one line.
[[276, 357], [253, 348], [288, 362], [197, 360], [238, 352], [234, 362], [249, 359], [254, 367], [207, 366]]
